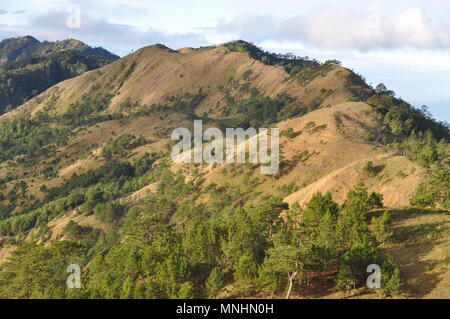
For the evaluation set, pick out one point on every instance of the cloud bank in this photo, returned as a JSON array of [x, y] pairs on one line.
[[339, 29], [321, 25], [98, 31]]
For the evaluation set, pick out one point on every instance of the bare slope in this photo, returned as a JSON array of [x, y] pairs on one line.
[[327, 152], [154, 73]]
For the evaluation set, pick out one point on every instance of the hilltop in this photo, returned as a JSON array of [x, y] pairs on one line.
[[155, 73], [226, 87], [14, 49], [85, 167], [29, 67]]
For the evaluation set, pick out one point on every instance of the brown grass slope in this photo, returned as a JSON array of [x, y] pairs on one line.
[[327, 151], [334, 137], [153, 73]]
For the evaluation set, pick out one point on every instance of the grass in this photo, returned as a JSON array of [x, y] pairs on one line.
[[420, 247], [446, 256]]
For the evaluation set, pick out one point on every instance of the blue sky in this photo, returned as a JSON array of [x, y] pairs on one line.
[[404, 43]]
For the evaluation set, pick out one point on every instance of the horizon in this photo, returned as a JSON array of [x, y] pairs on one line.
[[405, 45]]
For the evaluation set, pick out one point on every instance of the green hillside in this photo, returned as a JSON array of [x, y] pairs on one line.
[[14, 49], [22, 80], [29, 67], [86, 178]]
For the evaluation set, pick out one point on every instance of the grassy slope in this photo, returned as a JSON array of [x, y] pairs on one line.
[[338, 140], [421, 248], [339, 152], [153, 73]]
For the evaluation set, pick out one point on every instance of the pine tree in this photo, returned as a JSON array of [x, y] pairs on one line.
[[317, 207], [345, 279], [381, 227], [352, 225], [391, 279], [285, 258], [375, 200], [245, 273], [354, 263], [395, 284], [214, 283]]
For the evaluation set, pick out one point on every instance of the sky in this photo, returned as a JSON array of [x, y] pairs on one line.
[[404, 44]]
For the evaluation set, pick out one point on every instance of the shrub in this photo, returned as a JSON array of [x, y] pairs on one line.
[[109, 212], [392, 283], [289, 133], [382, 227], [75, 231], [214, 282], [369, 169], [375, 200]]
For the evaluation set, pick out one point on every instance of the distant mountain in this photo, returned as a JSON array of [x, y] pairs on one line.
[[26, 78], [14, 49], [29, 67]]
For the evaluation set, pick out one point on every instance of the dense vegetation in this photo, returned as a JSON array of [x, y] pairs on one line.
[[185, 240], [181, 103], [29, 67], [435, 156], [167, 247], [414, 133], [87, 110], [258, 110], [14, 49], [400, 117], [26, 78], [28, 137]]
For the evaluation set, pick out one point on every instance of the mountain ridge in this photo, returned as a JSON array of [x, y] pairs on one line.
[[28, 67], [218, 59], [13, 49], [85, 168]]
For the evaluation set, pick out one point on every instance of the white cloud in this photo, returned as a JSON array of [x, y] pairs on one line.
[[98, 31], [344, 30], [19, 12]]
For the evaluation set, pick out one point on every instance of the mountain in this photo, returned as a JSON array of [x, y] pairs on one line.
[[86, 173], [14, 49], [28, 67], [26, 78]]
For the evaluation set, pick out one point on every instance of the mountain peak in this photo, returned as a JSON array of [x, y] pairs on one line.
[[13, 49], [28, 38]]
